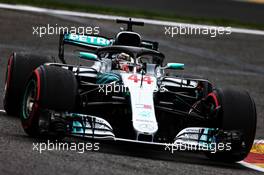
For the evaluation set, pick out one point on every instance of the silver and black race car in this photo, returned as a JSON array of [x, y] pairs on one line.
[[127, 94]]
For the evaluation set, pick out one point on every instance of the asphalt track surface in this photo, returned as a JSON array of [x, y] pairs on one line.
[[228, 61], [212, 9]]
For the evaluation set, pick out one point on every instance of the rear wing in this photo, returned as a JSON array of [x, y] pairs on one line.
[[90, 42]]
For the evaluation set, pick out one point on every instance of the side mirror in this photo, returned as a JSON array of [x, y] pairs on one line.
[[88, 56], [175, 66]]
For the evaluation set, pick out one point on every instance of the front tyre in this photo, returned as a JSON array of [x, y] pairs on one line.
[[49, 88], [237, 113]]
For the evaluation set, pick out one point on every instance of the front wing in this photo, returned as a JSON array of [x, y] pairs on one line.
[[188, 139]]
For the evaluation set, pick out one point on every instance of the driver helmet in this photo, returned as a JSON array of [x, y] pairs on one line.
[[123, 60]]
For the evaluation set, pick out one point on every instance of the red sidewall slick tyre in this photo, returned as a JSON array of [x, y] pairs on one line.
[[237, 112], [30, 114], [19, 69], [50, 87]]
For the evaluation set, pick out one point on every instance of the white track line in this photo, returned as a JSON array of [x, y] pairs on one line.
[[111, 17], [258, 141], [1, 110], [251, 166]]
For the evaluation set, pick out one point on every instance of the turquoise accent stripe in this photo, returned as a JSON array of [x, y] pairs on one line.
[[88, 56], [77, 127], [107, 78]]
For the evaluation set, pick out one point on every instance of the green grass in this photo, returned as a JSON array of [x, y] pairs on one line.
[[133, 13]]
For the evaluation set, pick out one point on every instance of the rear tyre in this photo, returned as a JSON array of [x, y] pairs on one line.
[[49, 88], [237, 112], [19, 68]]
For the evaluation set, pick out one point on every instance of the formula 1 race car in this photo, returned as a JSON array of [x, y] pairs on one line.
[[128, 94]]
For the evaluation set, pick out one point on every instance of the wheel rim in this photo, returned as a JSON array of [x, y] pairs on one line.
[[29, 99]]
